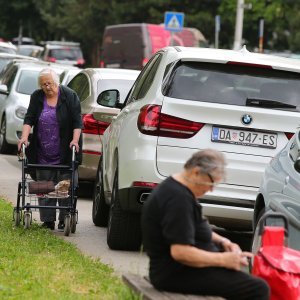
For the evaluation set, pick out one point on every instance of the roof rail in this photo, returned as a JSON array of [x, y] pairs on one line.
[[62, 43]]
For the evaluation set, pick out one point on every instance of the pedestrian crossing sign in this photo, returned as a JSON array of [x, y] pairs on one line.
[[174, 21]]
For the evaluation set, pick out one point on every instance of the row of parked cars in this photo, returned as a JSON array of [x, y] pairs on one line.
[[140, 127]]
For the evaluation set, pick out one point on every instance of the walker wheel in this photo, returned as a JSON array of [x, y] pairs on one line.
[[73, 223], [67, 228], [27, 220], [17, 217]]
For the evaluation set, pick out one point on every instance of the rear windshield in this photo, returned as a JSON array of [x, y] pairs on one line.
[[234, 84], [28, 82], [66, 53]]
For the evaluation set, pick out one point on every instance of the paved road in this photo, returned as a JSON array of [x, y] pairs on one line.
[[90, 239]]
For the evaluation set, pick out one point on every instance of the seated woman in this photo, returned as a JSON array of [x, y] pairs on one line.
[[185, 255]]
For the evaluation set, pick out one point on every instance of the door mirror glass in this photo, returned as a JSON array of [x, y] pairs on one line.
[[109, 98]]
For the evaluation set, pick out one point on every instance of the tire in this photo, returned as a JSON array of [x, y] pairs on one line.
[[73, 223], [124, 229], [100, 208], [67, 228], [27, 220], [5, 148]]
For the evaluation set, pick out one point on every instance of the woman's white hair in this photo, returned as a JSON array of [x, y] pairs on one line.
[[49, 71]]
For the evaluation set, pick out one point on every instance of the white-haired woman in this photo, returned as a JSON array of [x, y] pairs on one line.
[[54, 113], [186, 256]]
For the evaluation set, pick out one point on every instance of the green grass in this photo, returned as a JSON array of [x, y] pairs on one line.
[[35, 264]]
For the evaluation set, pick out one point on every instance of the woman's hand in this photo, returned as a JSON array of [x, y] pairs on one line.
[[74, 143], [21, 142], [235, 260], [228, 246]]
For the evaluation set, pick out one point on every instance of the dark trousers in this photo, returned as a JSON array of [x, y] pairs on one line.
[[48, 214], [229, 284]]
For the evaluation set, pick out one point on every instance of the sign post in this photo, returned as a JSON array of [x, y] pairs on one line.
[[173, 23], [217, 30]]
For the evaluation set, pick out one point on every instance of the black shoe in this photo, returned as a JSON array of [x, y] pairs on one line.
[[50, 225], [61, 225]]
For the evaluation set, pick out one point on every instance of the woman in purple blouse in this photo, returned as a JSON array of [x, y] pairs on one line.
[[54, 113]]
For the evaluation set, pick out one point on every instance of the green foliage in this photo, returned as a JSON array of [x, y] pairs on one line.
[[84, 20], [35, 264]]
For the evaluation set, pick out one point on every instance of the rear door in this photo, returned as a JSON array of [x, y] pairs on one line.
[[228, 100]]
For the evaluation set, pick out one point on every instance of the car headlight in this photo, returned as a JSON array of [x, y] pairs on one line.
[[20, 112]]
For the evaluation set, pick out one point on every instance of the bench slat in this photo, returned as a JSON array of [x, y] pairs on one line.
[[144, 288]]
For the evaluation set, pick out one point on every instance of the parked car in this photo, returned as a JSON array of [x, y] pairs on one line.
[[88, 84], [63, 52], [29, 50], [5, 58], [17, 82], [244, 104], [67, 75], [131, 45], [8, 47], [280, 191]]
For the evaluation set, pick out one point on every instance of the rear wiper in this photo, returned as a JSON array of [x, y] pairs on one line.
[[268, 103]]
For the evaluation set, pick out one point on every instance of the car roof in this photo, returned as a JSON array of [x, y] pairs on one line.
[[242, 56], [16, 56], [110, 73], [37, 64]]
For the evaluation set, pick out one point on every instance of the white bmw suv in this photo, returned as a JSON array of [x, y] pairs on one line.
[[243, 104]]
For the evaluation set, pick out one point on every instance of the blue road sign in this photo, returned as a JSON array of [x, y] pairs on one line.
[[174, 21]]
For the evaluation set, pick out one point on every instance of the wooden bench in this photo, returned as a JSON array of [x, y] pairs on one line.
[[146, 291]]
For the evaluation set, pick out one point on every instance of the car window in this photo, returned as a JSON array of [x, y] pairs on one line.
[[80, 85], [141, 78], [66, 53], [233, 84], [149, 78], [123, 86], [28, 82], [9, 76]]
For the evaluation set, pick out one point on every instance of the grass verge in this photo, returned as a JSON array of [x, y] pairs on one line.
[[35, 264]]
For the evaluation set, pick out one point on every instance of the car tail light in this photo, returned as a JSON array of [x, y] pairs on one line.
[[93, 126], [248, 65], [101, 65], [80, 61], [289, 135], [152, 122], [144, 184], [144, 61], [51, 59]]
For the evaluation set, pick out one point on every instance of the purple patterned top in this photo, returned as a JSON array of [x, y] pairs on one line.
[[48, 136]]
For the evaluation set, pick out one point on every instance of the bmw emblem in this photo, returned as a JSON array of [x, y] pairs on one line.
[[246, 119]]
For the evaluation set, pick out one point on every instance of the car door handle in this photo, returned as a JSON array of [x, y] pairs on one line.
[[287, 179]]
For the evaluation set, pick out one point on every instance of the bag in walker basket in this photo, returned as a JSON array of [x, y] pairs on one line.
[[275, 262]]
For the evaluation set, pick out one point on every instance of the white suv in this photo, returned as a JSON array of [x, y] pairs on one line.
[[243, 104]]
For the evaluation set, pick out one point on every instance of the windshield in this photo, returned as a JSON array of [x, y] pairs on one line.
[[234, 84], [28, 82], [66, 53]]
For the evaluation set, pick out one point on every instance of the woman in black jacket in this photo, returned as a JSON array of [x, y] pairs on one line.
[[54, 114]]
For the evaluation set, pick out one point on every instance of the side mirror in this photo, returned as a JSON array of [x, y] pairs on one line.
[[297, 165], [3, 89], [109, 98]]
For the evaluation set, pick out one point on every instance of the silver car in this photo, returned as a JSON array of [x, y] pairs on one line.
[[17, 82], [89, 84], [280, 191]]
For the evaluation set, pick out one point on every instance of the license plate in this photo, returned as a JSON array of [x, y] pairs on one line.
[[244, 137]]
